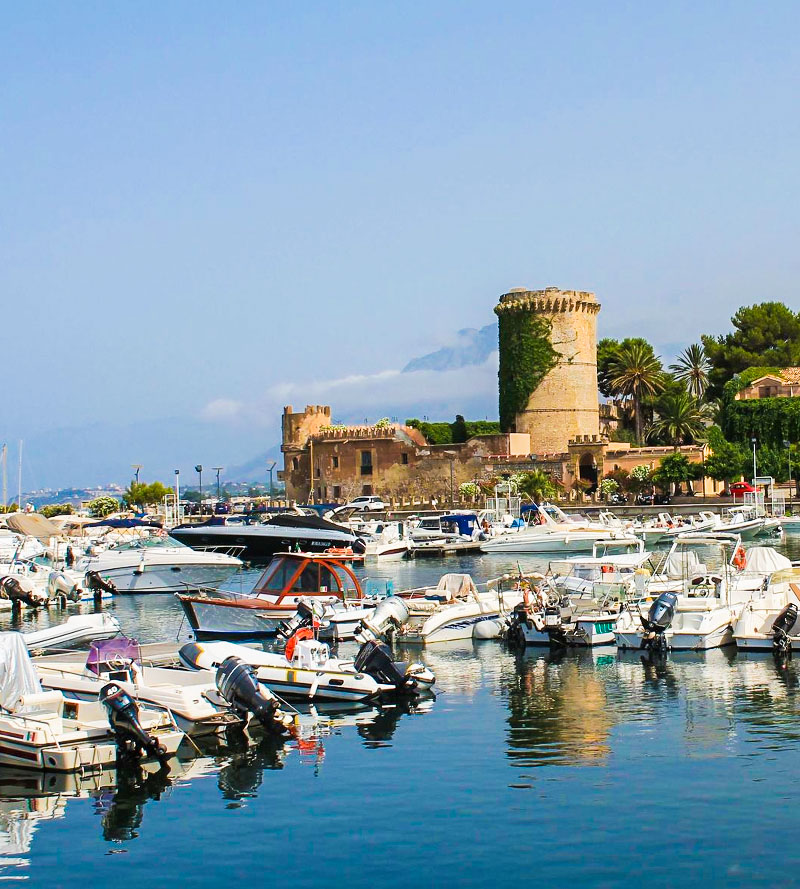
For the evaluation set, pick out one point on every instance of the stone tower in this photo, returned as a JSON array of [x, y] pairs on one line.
[[548, 365]]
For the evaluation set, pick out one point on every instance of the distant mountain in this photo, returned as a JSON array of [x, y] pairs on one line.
[[471, 347], [255, 470]]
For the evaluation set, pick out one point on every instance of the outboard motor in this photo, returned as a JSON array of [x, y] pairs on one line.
[[98, 584], [123, 717], [658, 620], [237, 683], [517, 624], [20, 591], [375, 659], [387, 617], [781, 627], [359, 546], [304, 617]]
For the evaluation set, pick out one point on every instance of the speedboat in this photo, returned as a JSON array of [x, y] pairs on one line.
[[43, 730], [262, 540], [289, 578], [696, 603], [666, 527], [769, 620], [307, 670], [455, 610], [193, 698], [146, 565], [550, 530]]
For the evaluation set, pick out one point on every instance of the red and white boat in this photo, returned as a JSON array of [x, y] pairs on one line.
[[289, 577]]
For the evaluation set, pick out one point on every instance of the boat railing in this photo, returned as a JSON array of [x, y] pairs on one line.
[[225, 550]]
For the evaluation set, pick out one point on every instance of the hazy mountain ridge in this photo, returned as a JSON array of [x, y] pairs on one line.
[[472, 346]]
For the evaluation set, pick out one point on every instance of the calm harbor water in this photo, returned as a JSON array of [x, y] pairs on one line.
[[595, 767]]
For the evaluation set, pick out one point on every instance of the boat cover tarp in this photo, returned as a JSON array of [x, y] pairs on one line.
[[765, 560], [17, 674], [312, 522], [32, 525]]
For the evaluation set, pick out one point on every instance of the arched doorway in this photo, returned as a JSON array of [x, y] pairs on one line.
[[587, 471]]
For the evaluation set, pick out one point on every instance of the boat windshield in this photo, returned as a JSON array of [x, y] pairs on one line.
[[145, 543]]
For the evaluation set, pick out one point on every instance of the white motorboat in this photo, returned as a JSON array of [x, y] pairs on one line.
[[666, 527], [696, 603], [456, 610], [42, 730], [769, 620], [149, 566], [552, 531], [308, 671], [386, 542], [744, 521], [76, 629], [617, 566], [192, 698]]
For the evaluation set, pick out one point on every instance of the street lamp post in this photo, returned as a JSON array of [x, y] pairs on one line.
[[451, 455], [199, 470], [218, 469], [755, 473], [177, 495], [136, 468], [270, 467], [788, 446]]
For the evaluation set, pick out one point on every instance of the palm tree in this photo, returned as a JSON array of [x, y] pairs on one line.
[[681, 416], [636, 371], [692, 368], [536, 484]]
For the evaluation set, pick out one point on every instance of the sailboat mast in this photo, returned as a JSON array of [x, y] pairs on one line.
[[5, 476], [19, 479]]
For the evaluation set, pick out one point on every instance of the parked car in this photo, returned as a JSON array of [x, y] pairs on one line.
[[367, 504], [222, 508]]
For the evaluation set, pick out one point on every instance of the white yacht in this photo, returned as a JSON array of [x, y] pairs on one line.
[[150, 566], [551, 530]]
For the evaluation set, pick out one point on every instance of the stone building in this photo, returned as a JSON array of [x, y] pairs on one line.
[[558, 426], [564, 404], [784, 384]]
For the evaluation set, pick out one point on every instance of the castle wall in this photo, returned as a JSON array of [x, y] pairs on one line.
[[564, 405]]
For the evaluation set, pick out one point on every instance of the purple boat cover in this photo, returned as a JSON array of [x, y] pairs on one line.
[[112, 651]]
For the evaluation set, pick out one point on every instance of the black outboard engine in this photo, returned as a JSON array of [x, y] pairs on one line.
[[123, 717], [359, 546], [303, 618], [520, 618], [658, 620], [375, 659], [781, 627], [237, 683], [99, 584]]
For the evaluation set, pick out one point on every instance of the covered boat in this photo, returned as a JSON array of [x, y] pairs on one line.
[[262, 540]]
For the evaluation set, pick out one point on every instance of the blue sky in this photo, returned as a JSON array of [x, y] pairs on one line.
[[207, 210]]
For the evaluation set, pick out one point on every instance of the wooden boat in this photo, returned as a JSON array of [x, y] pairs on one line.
[[289, 577]]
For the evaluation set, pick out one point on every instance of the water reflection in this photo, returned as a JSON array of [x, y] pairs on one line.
[[558, 709], [122, 811]]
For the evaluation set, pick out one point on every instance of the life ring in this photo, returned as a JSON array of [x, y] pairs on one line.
[[302, 633], [739, 559]]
